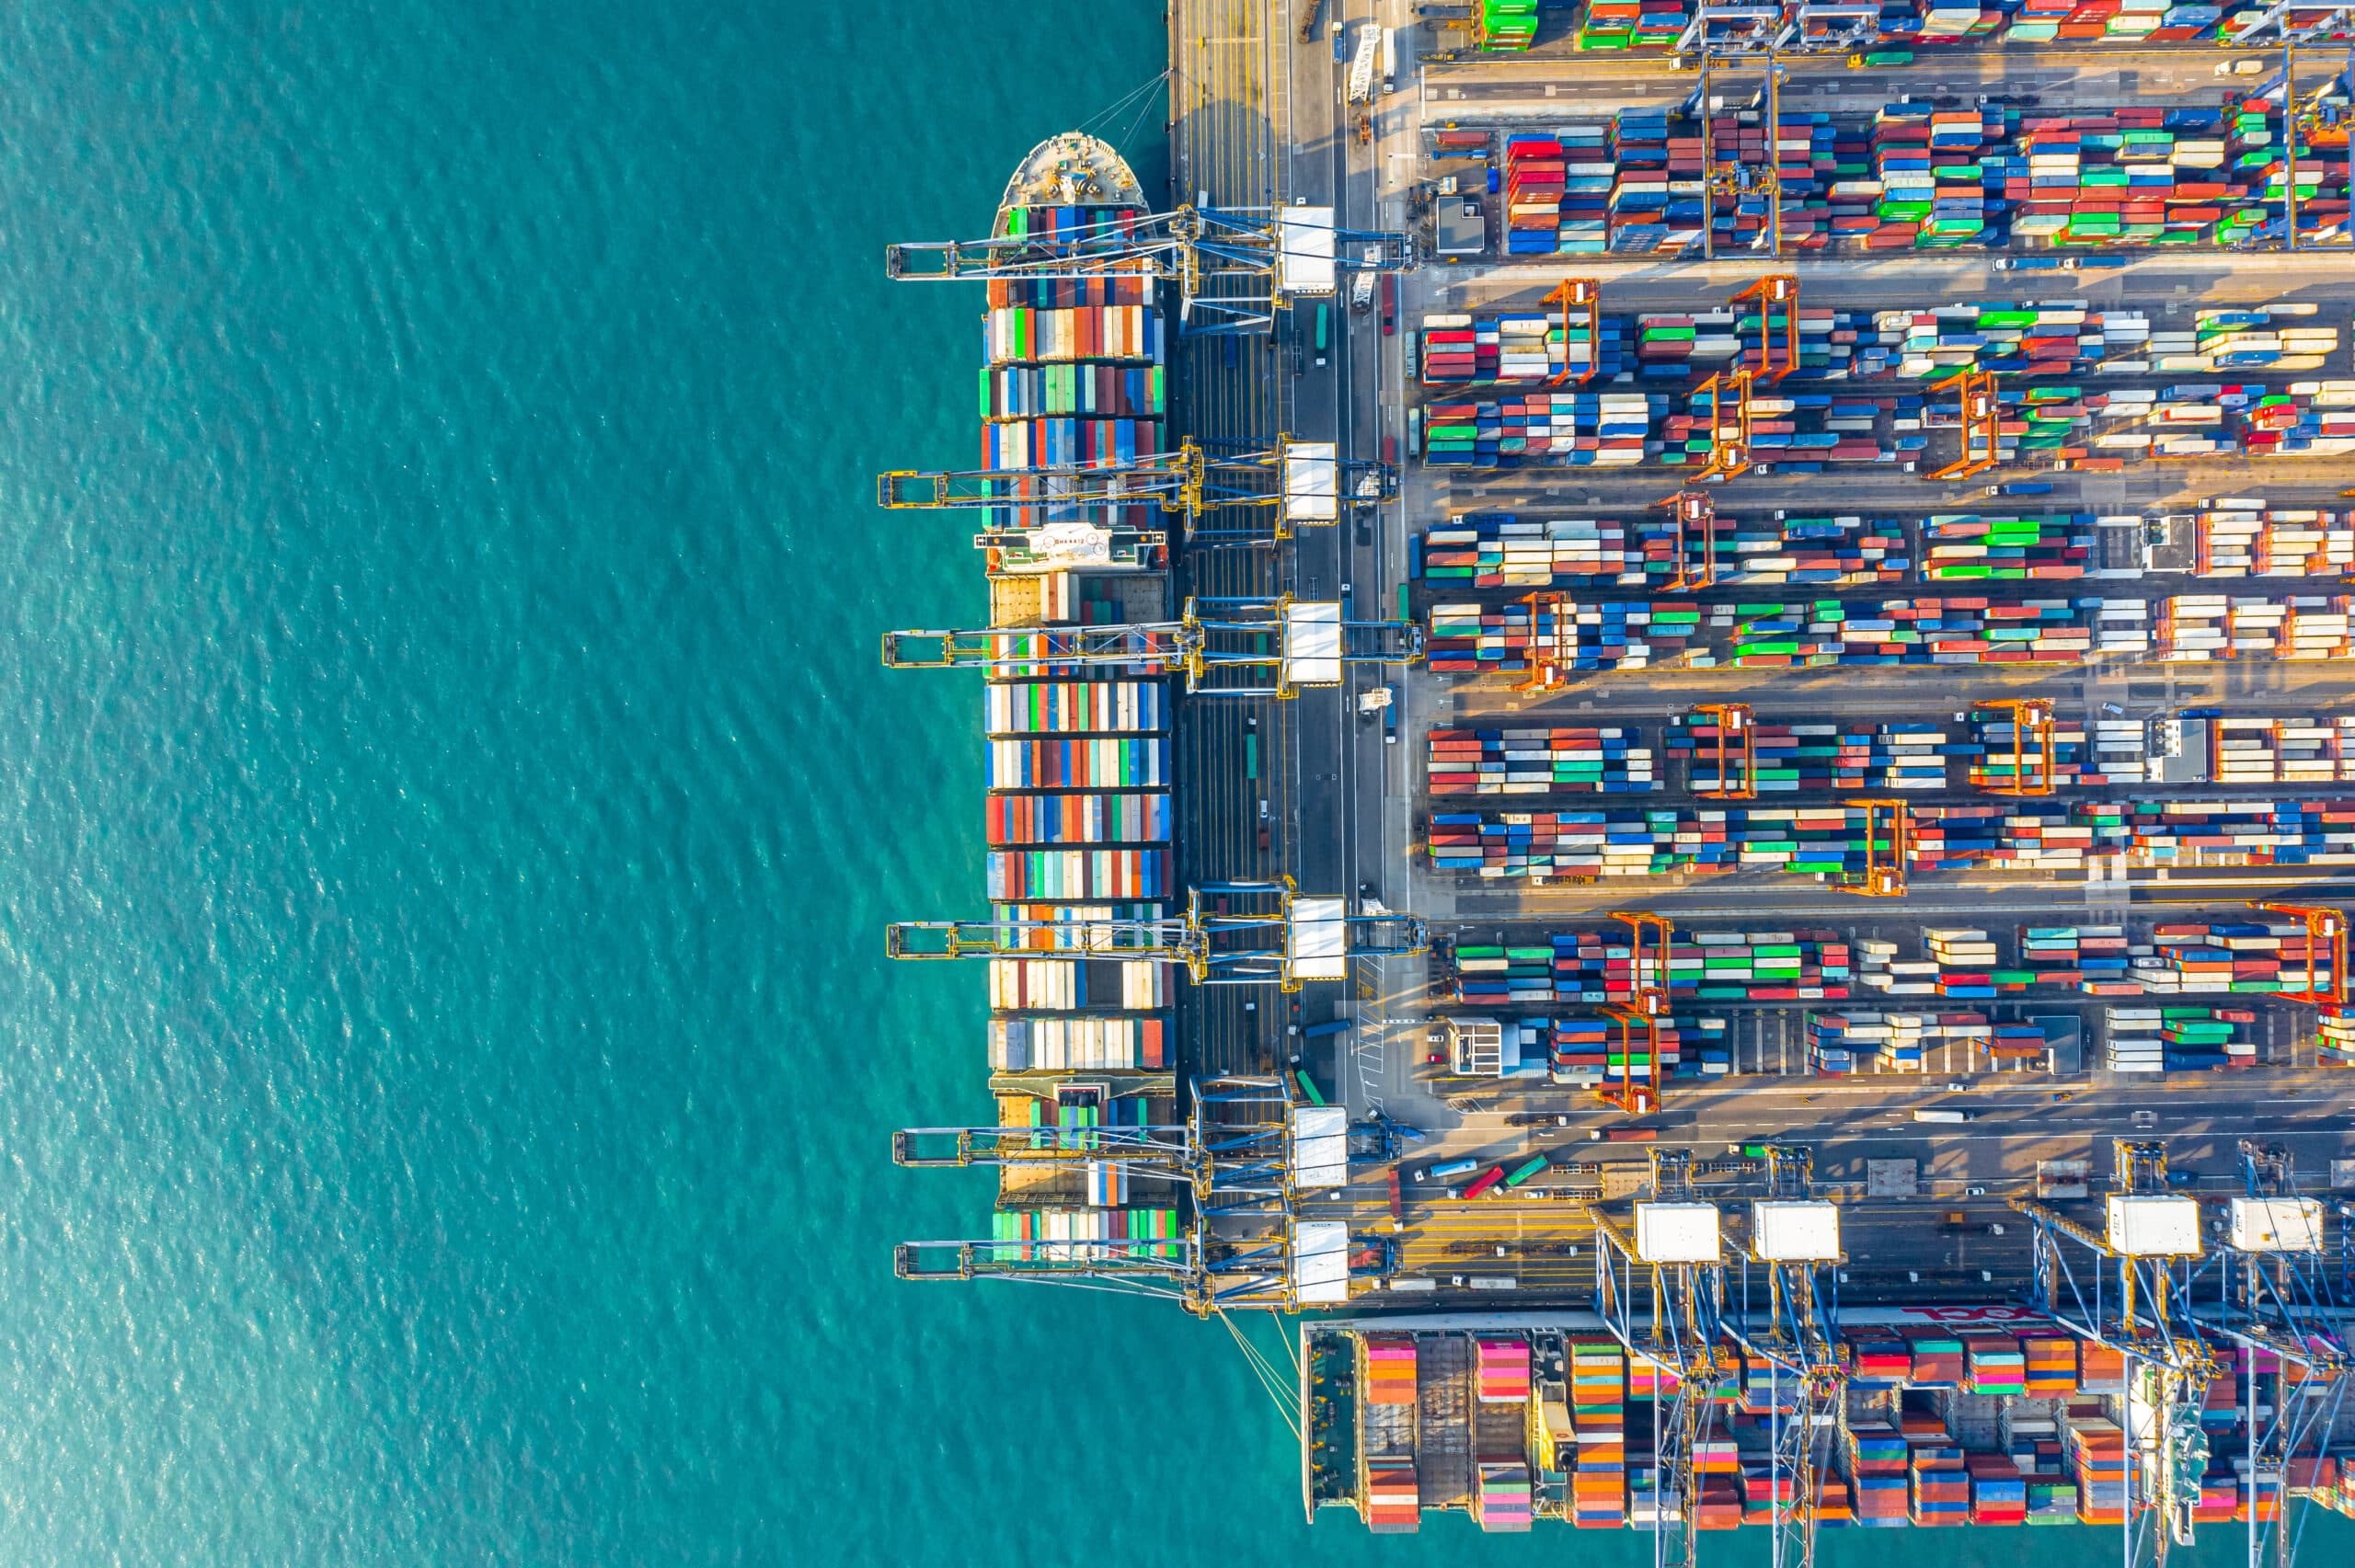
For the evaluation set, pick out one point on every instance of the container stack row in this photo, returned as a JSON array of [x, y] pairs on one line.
[[2335, 1040], [1491, 550], [1476, 638], [2094, 1447], [2247, 538], [2262, 751], [1534, 174], [2177, 1039], [1612, 26], [1068, 1235], [1854, 1041], [1610, 759], [1508, 24], [1914, 176], [1874, 1458], [1598, 1399], [1502, 551], [2159, 957], [1629, 842], [1788, 758], [1791, 758], [2040, 837], [1996, 752], [1967, 547], [2098, 755], [1593, 966], [1074, 374], [1064, 760], [1530, 348], [1798, 431], [2207, 628]]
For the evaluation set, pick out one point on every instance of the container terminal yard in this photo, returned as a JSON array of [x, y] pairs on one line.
[[1671, 741]]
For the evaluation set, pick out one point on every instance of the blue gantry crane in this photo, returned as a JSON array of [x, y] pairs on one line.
[[1222, 648]]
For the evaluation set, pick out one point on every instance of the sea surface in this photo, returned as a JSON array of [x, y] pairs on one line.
[[450, 805]]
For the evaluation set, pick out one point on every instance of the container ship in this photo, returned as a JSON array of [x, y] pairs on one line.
[[1079, 814]]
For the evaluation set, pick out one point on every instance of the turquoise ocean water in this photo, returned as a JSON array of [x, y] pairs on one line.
[[451, 803]]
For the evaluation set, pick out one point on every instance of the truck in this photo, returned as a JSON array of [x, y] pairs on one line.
[[1942, 1116], [1361, 285], [1389, 303], [2018, 488], [1389, 60], [1487, 1181], [1390, 717], [1625, 1135]]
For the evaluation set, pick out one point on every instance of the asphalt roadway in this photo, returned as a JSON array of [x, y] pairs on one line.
[[1227, 57]]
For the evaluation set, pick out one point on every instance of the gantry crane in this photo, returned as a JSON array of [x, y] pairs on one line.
[[1980, 414], [1698, 105], [1289, 940], [1774, 292], [2325, 931], [2140, 1269], [1696, 518], [1640, 1017], [2274, 1294], [1660, 1291], [1735, 746], [1553, 642], [1584, 295], [1301, 483], [1245, 1147], [2271, 1289], [1732, 32], [1730, 395], [1720, 180], [1225, 648], [1730, 419], [2318, 121], [2290, 22], [1731, 180], [1232, 266], [1795, 1238], [1779, 27], [1147, 1150], [1888, 844], [2032, 761], [1826, 26]]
